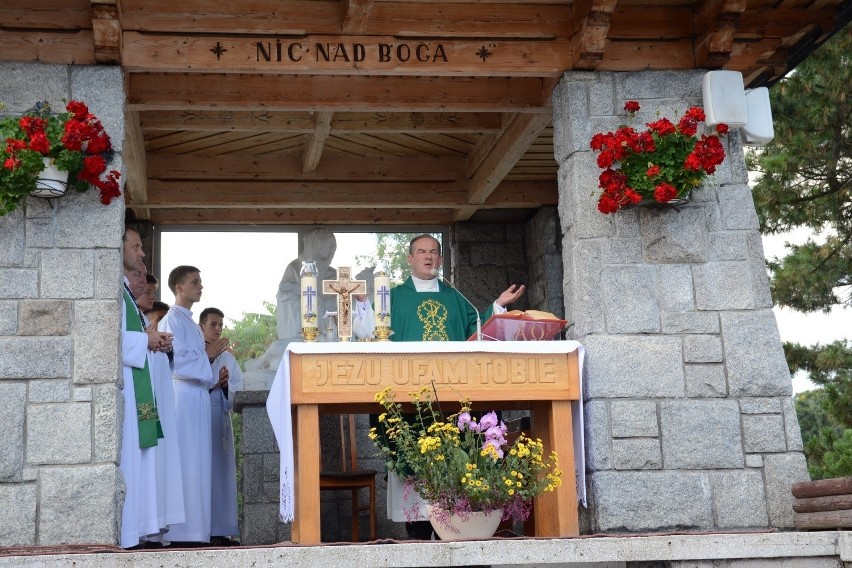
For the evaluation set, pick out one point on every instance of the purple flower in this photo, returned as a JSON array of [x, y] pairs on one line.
[[496, 434], [489, 420], [464, 420]]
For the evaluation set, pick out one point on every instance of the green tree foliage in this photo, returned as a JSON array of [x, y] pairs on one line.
[[252, 334], [393, 248], [805, 177], [827, 443], [804, 181]]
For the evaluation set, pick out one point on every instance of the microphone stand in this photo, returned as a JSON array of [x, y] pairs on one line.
[[478, 318]]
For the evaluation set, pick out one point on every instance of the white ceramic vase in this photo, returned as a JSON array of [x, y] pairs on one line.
[[51, 181], [474, 525]]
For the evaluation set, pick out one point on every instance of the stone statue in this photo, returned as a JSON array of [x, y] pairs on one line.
[[316, 244]]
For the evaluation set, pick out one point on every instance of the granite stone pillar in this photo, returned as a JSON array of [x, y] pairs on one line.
[[60, 281], [689, 417]]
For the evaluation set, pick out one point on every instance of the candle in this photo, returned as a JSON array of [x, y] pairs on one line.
[[381, 299], [309, 299]]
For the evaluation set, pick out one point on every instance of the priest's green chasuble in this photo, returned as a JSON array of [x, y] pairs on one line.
[[148, 418], [432, 316]]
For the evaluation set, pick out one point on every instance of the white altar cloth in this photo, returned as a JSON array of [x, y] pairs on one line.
[[280, 415]]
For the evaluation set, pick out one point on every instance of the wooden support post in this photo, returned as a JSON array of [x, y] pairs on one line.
[[556, 511]]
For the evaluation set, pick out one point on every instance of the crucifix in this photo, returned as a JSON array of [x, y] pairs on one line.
[[343, 287]]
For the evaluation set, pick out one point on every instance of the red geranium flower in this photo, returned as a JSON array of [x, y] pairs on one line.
[[663, 162], [74, 140]]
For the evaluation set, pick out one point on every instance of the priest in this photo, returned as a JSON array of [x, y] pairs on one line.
[[424, 308], [141, 430]]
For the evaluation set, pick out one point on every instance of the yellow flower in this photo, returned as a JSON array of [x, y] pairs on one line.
[[382, 416], [511, 492]]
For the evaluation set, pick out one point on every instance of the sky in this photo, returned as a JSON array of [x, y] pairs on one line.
[[241, 270]]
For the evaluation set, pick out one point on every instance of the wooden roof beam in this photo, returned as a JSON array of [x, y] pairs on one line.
[[316, 142], [106, 29], [304, 123], [135, 177], [504, 154], [235, 168], [288, 216], [591, 39], [360, 194], [716, 22], [199, 91], [356, 15]]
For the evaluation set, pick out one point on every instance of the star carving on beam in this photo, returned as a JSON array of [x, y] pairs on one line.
[[218, 50], [483, 53]]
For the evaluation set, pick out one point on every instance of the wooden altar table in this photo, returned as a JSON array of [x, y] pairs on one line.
[[543, 377]]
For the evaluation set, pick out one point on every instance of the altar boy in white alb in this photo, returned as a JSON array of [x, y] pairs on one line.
[[223, 514], [192, 377]]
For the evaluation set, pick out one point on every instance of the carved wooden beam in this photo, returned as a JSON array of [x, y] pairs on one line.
[[316, 142], [336, 54], [106, 29], [715, 23]]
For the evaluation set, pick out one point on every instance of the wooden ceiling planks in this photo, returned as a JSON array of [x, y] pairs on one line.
[[223, 134]]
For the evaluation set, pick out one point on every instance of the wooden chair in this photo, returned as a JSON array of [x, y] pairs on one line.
[[352, 478]]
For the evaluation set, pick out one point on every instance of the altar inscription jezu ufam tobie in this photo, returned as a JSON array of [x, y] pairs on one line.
[[540, 376]]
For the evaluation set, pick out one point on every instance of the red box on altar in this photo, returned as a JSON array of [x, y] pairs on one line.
[[518, 326]]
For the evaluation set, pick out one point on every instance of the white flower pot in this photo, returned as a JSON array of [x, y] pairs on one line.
[[474, 525], [51, 181]]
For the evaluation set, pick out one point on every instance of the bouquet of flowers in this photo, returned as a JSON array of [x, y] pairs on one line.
[[663, 163], [74, 140], [460, 464]]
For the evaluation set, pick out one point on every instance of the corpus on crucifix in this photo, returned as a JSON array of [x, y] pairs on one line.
[[344, 286]]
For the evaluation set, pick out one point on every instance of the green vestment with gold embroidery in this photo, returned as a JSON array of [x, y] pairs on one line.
[[432, 316]]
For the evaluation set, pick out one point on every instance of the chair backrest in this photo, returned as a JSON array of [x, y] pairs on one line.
[[348, 444]]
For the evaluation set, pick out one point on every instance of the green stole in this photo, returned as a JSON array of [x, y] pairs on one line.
[[150, 429]]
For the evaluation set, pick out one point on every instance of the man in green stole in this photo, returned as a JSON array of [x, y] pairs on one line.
[[140, 518]]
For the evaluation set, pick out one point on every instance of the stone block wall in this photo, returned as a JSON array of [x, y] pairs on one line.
[[60, 276], [543, 246], [486, 259], [690, 422]]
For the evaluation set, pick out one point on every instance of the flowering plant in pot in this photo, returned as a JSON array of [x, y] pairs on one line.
[[73, 141], [662, 164], [459, 464]]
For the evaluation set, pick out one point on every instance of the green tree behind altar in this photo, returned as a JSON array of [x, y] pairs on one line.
[[252, 334], [804, 180]]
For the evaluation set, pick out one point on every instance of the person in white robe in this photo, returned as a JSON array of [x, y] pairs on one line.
[[191, 378], [139, 513], [169, 479], [223, 524]]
